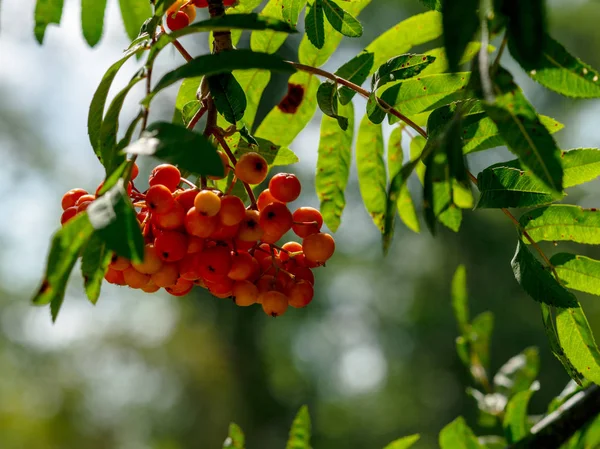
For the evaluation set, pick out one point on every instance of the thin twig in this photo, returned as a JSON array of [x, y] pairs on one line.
[[197, 117], [496, 63]]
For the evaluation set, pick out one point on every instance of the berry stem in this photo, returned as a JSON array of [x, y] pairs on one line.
[[188, 182], [179, 47], [197, 117]]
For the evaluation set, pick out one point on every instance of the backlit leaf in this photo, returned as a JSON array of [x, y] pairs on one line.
[[134, 13], [341, 20], [291, 10], [441, 65], [515, 421], [563, 222], [460, 299], [480, 337], [400, 68], [518, 373], [92, 20], [235, 438], [94, 263], [254, 83], [458, 435], [356, 71], [46, 13], [269, 41], [186, 94], [404, 442], [301, 430], [578, 272]]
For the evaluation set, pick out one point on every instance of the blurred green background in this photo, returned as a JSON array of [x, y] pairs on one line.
[[373, 356]]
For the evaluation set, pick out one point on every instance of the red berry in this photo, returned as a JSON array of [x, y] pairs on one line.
[[177, 20], [264, 199], [300, 294], [159, 199], [251, 168], [275, 219], [274, 303], [167, 175], [70, 198], [171, 246], [250, 230], [285, 187], [307, 220], [68, 214], [186, 198], [232, 210], [200, 225], [318, 247], [244, 293]]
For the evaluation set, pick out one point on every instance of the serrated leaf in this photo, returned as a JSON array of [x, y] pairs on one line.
[[564, 73], [253, 82], [179, 146], [94, 263], [371, 170], [356, 71], [563, 222], [404, 442], [327, 99], [228, 95], [185, 95], [96, 111], [400, 68], [577, 340], [46, 13], [526, 29], [441, 65], [515, 422], [460, 300], [521, 129], [66, 247], [294, 111], [134, 13], [300, 432], [341, 20], [291, 10], [537, 281], [460, 21], [92, 20], [578, 272], [333, 166], [314, 24], [518, 373], [235, 438], [224, 62], [115, 221], [189, 110], [458, 435], [275, 155], [269, 41]]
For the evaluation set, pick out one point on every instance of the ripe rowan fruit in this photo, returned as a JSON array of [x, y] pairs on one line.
[[243, 265], [275, 219], [167, 276], [215, 261], [225, 232], [67, 214], [318, 247], [244, 293], [185, 198], [165, 174], [171, 220], [171, 245], [119, 263], [195, 244], [221, 289], [225, 162], [177, 20], [70, 198], [201, 3], [232, 210], [285, 187], [134, 278], [189, 267], [264, 199], [114, 277], [271, 238], [135, 171], [151, 263], [307, 220], [250, 230], [83, 206], [300, 294], [181, 288], [200, 225], [150, 287], [301, 273], [251, 168], [84, 199], [274, 303], [159, 199], [289, 247], [207, 203]]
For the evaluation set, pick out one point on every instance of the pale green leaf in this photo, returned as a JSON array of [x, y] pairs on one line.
[[186, 94], [404, 442], [269, 41], [46, 13], [356, 71], [578, 272], [458, 435], [291, 10], [253, 82], [405, 203], [518, 373], [134, 13], [92, 20], [563, 222], [460, 300], [235, 438], [300, 432], [515, 421], [341, 20]]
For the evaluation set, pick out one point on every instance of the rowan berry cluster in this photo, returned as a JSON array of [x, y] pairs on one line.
[[183, 12], [205, 237]]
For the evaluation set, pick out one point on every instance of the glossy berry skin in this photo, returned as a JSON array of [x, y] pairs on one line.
[[167, 175], [181, 288], [68, 214], [300, 294], [114, 277], [318, 247], [250, 230], [251, 168], [167, 276], [285, 187], [135, 171], [119, 263], [232, 210], [159, 199], [264, 199], [243, 266], [134, 278], [215, 261], [244, 293], [307, 220], [177, 20], [207, 203], [186, 198], [70, 198], [171, 220], [151, 263], [275, 219], [200, 225], [274, 303], [171, 246]]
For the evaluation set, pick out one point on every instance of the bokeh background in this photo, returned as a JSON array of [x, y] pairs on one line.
[[373, 356]]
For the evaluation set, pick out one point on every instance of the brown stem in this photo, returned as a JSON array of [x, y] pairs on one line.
[[197, 117], [222, 39]]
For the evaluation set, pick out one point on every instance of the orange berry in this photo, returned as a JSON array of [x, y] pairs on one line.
[[244, 293], [240, 245], [167, 175], [225, 162], [68, 213], [307, 220], [189, 267], [232, 210], [318, 247], [177, 20], [251, 168], [135, 171], [264, 199], [114, 277], [150, 287], [134, 278], [225, 232], [70, 198], [85, 199], [83, 206], [207, 203], [151, 263], [243, 265], [186, 198], [200, 225], [269, 282], [181, 288], [300, 294], [289, 247], [119, 263], [275, 219], [274, 303], [271, 238], [195, 244], [285, 187], [302, 273], [171, 246], [250, 230], [159, 199], [167, 276], [171, 220], [221, 289], [215, 261]]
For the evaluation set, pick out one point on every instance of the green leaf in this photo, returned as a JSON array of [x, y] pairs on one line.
[[300, 432], [228, 95], [515, 422], [274, 154], [126, 140], [400, 68], [112, 180], [537, 281], [327, 99], [460, 20], [577, 339], [371, 170], [416, 30], [518, 373], [46, 13], [405, 204], [356, 71], [186, 94], [523, 132], [254, 83], [189, 111], [433, 4], [460, 299], [314, 25], [375, 110], [578, 272], [291, 10], [480, 336], [441, 64], [526, 29], [115, 221], [179, 146], [67, 244], [563, 222], [269, 41], [341, 20], [458, 435], [92, 20], [333, 166], [94, 264], [564, 73], [224, 62], [110, 158], [96, 111], [404, 442], [134, 13], [285, 121], [235, 439]]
